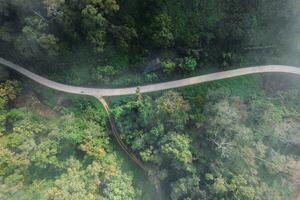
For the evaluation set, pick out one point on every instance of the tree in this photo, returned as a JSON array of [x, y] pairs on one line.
[[161, 31], [233, 187], [172, 110], [219, 187], [94, 25], [104, 73], [76, 184], [124, 36], [264, 113], [93, 182], [240, 188], [35, 41], [52, 7], [243, 144], [168, 66], [187, 188], [189, 64], [8, 92], [176, 147], [119, 187], [10, 89], [37, 150]]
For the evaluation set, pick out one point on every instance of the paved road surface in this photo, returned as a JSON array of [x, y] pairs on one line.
[[152, 87]]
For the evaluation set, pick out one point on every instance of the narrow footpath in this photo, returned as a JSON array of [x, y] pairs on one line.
[[117, 136]]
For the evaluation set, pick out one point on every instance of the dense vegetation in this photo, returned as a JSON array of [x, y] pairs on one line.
[[60, 155], [230, 139], [217, 146], [77, 39]]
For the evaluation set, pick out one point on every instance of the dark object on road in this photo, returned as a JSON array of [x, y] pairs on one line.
[[153, 65]]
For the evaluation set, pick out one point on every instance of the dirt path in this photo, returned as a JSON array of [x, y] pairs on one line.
[[137, 161], [152, 87], [117, 136]]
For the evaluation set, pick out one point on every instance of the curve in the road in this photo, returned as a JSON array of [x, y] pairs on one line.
[[152, 87]]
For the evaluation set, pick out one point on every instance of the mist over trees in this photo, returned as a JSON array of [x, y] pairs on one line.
[[237, 150], [229, 139], [203, 29]]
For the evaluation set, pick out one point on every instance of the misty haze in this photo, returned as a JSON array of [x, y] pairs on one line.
[[149, 99]]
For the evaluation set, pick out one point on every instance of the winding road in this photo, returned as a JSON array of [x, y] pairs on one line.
[[152, 87]]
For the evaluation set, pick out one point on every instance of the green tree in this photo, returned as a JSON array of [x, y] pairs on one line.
[[243, 143], [119, 187], [104, 73], [187, 188], [240, 188], [189, 64], [95, 26], [8, 92], [77, 184], [176, 147], [10, 89], [168, 66], [35, 40], [162, 35], [172, 109]]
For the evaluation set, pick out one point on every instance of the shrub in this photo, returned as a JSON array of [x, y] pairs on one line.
[[226, 59], [103, 73], [168, 66], [189, 64], [10, 89], [151, 77]]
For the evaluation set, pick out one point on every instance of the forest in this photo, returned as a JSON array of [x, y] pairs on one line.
[[230, 139]]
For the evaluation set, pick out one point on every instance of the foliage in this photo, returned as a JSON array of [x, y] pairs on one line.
[[221, 30], [168, 66], [120, 188], [187, 187], [150, 127], [10, 89], [103, 74], [35, 41], [70, 155], [76, 183], [226, 59], [172, 109], [235, 148], [251, 147], [240, 150], [176, 147], [189, 64], [205, 144], [161, 27]]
